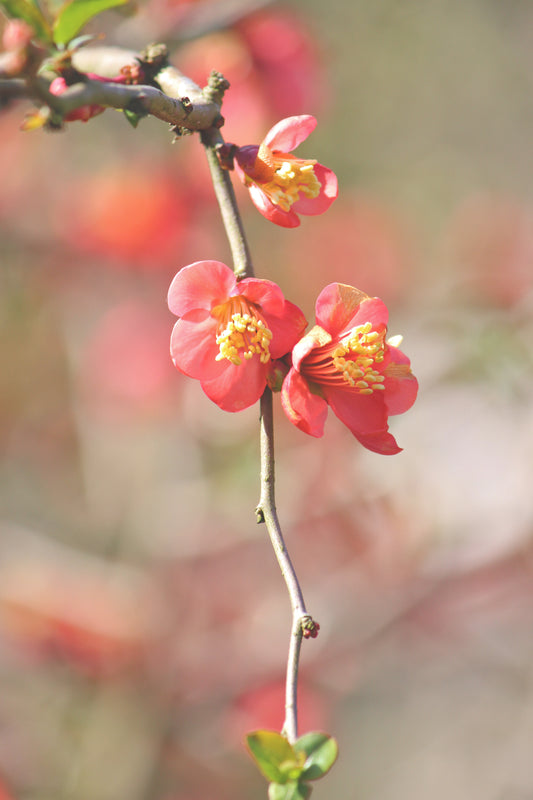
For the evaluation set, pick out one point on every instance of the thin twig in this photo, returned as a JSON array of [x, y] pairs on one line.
[[242, 260], [266, 512]]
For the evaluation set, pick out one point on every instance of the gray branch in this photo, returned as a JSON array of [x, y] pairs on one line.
[[179, 102]]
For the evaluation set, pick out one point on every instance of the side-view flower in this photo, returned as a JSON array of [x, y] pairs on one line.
[[282, 185], [228, 331], [346, 362]]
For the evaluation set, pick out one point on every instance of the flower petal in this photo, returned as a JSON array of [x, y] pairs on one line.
[[286, 327], [316, 337], [400, 391], [287, 134], [383, 443], [305, 410], [193, 345], [264, 293], [329, 190], [336, 306], [366, 418], [362, 414], [286, 219], [203, 284], [237, 386]]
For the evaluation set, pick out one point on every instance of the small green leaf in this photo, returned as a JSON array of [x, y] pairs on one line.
[[289, 791], [74, 14], [132, 117], [273, 754], [30, 13], [321, 753]]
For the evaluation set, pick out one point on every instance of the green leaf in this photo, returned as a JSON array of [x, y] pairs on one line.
[[74, 14], [30, 13], [273, 754], [132, 117], [321, 753], [289, 791]]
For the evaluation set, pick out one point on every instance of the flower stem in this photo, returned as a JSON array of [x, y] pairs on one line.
[[266, 512], [242, 260], [302, 623]]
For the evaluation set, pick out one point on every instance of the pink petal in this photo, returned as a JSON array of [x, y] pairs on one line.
[[287, 134], [371, 310], [264, 293], [362, 414], [237, 386], [286, 219], [305, 410], [328, 193], [316, 337], [193, 346], [400, 393], [336, 306], [286, 328], [203, 284], [383, 443]]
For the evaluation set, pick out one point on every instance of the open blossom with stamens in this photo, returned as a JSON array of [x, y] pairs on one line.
[[346, 362], [282, 185], [228, 331]]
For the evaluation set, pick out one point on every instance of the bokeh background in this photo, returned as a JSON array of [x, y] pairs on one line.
[[143, 621]]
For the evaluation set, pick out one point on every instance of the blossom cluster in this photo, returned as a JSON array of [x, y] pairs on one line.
[[238, 336]]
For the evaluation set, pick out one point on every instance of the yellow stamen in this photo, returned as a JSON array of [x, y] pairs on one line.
[[242, 333], [355, 358], [290, 178]]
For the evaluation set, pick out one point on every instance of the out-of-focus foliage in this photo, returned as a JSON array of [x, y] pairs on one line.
[[143, 622]]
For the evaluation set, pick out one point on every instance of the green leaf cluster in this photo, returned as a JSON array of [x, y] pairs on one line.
[[68, 20], [288, 767], [76, 13]]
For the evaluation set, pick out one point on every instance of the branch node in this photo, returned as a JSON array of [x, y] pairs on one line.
[[216, 86], [309, 627]]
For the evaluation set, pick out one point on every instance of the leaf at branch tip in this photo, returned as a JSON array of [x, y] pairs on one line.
[[30, 13], [289, 791], [274, 755], [75, 13], [321, 753]]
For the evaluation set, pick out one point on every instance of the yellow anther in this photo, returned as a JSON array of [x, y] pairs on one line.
[[243, 337], [293, 177], [356, 358]]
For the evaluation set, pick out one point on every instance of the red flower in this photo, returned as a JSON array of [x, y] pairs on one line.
[[281, 185], [345, 362], [229, 331]]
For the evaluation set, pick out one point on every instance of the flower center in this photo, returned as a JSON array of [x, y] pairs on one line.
[[353, 362], [241, 332], [356, 356], [284, 178]]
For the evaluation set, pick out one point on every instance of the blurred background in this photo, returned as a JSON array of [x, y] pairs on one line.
[[143, 621]]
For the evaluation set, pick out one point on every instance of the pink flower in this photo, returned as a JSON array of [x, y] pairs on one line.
[[346, 363], [281, 185], [229, 331]]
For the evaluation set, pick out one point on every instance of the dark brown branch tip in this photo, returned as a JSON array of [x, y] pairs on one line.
[[187, 105], [226, 153], [309, 627]]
